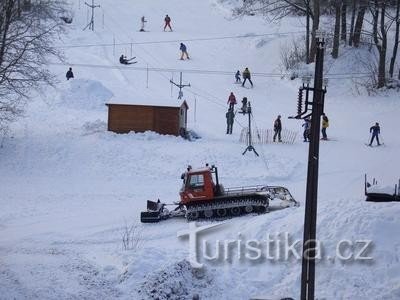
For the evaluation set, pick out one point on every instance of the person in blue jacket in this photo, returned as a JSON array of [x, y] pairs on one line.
[[184, 51], [375, 130]]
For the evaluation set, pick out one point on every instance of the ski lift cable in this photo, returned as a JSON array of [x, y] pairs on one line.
[[180, 40], [333, 76]]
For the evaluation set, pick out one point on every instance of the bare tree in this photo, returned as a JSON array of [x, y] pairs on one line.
[[25, 47], [278, 9], [335, 48], [353, 18], [359, 22], [396, 39], [343, 35]]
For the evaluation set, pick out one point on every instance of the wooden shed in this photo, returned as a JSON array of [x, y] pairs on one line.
[[123, 118]]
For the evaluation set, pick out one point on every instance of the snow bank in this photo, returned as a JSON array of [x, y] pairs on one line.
[[85, 94], [179, 281]]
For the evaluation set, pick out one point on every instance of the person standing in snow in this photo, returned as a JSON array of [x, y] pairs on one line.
[[143, 22], [325, 125], [307, 127], [246, 76], [237, 77], [184, 51], [231, 101], [244, 105], [167, 21], [278, 128], [69, 74], [375, 130], [230, 116]]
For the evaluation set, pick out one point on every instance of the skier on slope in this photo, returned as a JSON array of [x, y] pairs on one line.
[[278, 128], [69, 74], [376, 130], [143, 22], [307, 127], [237, 77], [167, 21], [231, 101], [246, 76], [325, 125], [244, 105], [184, 51], [123, 60], [230, 116]]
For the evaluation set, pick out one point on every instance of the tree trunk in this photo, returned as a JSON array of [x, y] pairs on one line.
[[396, 40], [353, 18], [308, 32], [315, 26], [343, 35], [335, 48], [382, 53], [359, 23]]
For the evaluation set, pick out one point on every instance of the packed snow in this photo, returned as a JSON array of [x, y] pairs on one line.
[[70, 188]]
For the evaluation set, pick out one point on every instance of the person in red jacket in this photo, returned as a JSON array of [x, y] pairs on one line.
[[231, 101], [167, 20]]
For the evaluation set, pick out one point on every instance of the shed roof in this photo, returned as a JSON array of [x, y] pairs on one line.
[[162, 102]]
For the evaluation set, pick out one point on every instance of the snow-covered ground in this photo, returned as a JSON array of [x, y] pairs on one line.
[[69, 187]]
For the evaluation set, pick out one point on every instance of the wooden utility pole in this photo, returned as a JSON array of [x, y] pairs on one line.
[[91, 23], [310, 219]]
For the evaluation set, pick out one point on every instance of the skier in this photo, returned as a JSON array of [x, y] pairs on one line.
[[143, 21], [167, 20], [69, 74], [123, 60], [307, 127], [237, 77], [376, 130], [230, 116], [246, 76], [184, 51], [244, 105], [278, 128], [325, 125], [231, 101]]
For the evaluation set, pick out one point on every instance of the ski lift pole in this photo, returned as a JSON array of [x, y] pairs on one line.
[[310, 220]]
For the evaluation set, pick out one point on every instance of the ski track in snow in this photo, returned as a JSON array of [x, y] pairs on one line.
[[69, 186]]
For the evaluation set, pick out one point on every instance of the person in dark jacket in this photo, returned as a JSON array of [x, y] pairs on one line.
[[375, 130], [231, 101], [278, 128], [69, 74], [184, 51], [167, 20], [123, 60], [246, 76], [143, 21], [237, 77], [230, 116], [244, 105]]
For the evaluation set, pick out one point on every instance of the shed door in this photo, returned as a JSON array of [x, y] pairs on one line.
[[182, 118]]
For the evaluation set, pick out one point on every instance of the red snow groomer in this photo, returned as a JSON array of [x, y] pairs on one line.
[[202, 196]]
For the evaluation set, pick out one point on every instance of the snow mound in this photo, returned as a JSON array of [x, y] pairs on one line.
[[85, 94], [93, 127], [178, 281]]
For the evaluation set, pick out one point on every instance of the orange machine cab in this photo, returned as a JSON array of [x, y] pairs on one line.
[[198, 185]]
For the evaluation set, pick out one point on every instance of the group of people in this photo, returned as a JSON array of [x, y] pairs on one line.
[[167, 21], [307, 128], [246, 76]]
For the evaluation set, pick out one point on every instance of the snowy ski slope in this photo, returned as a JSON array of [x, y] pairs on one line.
[[68, 187]]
